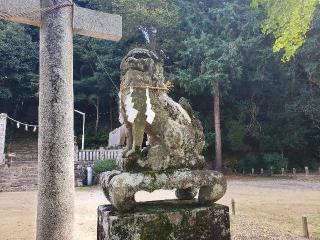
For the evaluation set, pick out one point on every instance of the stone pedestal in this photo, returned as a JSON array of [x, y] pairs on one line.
[[165, 220], [120, 187]]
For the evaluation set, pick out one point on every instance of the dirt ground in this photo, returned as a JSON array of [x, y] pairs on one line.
[[265, 209]]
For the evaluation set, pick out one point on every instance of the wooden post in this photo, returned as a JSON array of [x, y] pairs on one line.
[[233, 207], [252, 171], [282, 171], [294, 171], [76, 152], [3, 124], [305, 227], [306, 170]]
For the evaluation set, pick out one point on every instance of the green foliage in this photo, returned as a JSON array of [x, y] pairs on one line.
[[274, 160], [210, 56], [18, 63], [235, 136], [147, 18], [104, 166], [248, 162], [147, 13], [308, 104], [94, 140], [289, 21], [234, 164], [266, 107]]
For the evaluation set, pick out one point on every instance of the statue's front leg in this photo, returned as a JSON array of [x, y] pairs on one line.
[[129, 142], [138, 129]]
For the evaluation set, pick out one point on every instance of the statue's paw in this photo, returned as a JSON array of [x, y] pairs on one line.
[[125, 151], [105, 179], [211, 194], [130, 153]]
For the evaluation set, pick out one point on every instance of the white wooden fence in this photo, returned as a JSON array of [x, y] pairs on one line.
[[98, 154]]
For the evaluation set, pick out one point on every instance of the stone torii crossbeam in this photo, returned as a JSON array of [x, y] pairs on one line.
[[58, 21]]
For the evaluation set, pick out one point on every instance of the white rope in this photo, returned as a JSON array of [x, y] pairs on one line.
[[26, 125], [21, 123]]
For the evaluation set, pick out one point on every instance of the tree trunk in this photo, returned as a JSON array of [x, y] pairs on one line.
[[97, 113], [217, 128], [111, 115]]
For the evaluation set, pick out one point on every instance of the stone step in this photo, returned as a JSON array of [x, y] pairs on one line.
[[23, 175], [22, 185], [20, 176]]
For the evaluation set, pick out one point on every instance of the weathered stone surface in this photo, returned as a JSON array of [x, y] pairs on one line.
[[176, 137], [56, 133], [173, 160], [186, 194], [165, 220], [97, 24], [120, 188], [85, 21]]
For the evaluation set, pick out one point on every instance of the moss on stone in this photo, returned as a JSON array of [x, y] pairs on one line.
[[132, 165], [158, 229], [164, 206], [166, 221]]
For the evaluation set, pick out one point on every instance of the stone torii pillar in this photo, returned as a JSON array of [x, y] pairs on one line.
[[58, 21]]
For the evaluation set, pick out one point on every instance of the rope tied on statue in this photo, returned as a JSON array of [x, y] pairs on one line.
[[130, 111], [166, 87], [6, 16]]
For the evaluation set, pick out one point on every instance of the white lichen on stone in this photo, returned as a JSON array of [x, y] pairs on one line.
[[129, 107], [149, 112], [123, 186]]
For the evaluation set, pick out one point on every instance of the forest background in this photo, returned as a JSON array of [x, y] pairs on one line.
[[214, 53]]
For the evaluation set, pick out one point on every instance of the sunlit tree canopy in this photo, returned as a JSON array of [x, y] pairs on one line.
[[289, 21]]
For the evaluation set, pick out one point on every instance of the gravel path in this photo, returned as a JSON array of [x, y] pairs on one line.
[[248, 230], [266, 209]]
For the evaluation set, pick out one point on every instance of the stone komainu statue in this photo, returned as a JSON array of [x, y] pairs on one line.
[[173, 159], [176, 138]]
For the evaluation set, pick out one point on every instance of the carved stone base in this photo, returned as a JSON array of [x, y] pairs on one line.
[[120, 187], [165, 220]]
